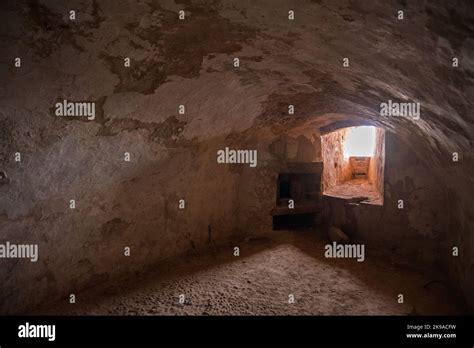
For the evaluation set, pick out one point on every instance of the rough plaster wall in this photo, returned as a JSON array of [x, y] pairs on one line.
[[173, 155], [139, 210], [297, 147], [331, 149], [336, 168], [377, 162], [306, 151]]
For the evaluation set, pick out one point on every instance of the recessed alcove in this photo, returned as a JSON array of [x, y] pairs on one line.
[[354, 159], [300, 185]]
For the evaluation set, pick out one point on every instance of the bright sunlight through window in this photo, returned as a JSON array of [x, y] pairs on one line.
[[360, 142]]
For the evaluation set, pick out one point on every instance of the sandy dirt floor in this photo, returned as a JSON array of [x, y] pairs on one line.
[[260, 280]]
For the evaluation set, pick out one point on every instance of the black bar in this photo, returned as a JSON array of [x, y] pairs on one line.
[[290, 330]]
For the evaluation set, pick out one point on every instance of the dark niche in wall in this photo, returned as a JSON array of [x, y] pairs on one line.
[[298, 197]]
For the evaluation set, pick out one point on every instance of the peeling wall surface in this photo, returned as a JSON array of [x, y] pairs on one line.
[[135, 203]]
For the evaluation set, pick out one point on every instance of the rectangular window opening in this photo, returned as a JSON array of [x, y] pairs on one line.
[[353, 164]]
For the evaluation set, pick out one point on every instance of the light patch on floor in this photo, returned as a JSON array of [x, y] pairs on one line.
[[356, 188]]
